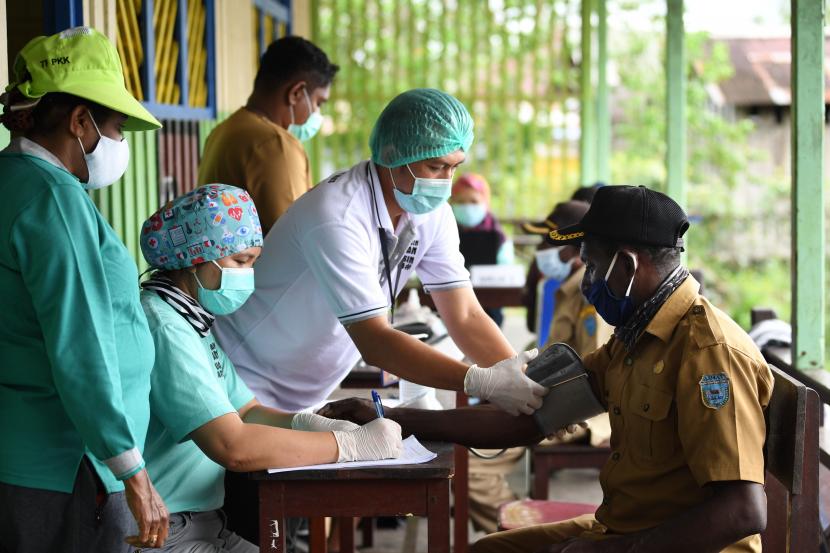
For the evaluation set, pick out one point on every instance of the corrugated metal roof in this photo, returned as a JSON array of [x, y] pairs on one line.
[[762, 72]]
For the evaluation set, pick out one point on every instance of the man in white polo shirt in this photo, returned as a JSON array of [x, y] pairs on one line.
[[332, 264]]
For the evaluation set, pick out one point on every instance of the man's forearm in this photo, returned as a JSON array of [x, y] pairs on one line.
[[735, 511], [480, 426]]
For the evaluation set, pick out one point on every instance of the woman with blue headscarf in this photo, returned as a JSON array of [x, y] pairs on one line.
[[203, 419]]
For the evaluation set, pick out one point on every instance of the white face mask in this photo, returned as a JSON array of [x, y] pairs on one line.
[[107, 162]]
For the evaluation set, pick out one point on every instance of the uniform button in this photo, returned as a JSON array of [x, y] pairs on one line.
[[629, 361], [616, 410], [615, 456], [646, 406], [697, 309]]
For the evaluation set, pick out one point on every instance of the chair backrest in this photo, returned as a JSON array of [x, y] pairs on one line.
[[791, 452]]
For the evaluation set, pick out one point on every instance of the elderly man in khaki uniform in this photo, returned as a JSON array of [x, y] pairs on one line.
[[684, 385]]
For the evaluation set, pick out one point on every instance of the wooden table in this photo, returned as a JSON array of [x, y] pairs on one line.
[[487, 297], [397, 490]]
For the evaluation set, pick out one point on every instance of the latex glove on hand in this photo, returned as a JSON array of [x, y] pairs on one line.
[[570, 429], [315, 423], [506, 385], [375, 440]]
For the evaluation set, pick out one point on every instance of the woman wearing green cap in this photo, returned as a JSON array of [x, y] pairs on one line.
[[204, 419], [75, 349]]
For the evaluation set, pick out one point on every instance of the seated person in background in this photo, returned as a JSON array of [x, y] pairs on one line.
[[684, 385], [542, 228], [204, 419], [575, 321], [482, 240]]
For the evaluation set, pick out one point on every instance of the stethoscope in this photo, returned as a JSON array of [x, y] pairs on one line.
[[383, 247]]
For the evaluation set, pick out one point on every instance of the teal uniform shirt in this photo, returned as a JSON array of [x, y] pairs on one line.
[[75, 350], [193, 382]]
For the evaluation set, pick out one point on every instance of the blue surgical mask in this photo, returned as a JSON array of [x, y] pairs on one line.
[[469, 215], [552, 266], [427, 194], [236, 287], [311, 127], [615, 311]]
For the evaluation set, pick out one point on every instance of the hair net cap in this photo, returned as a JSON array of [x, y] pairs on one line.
[[211, 222], [419, 124]]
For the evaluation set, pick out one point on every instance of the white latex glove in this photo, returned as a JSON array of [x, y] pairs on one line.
[[375, 440], [506, 385], [312, 422]]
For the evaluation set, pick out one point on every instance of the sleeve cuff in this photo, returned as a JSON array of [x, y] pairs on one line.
[[125, 465], [429, 288]]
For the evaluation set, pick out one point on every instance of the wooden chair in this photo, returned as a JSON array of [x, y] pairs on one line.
[[791, 454], [548, 458], [792, 457]]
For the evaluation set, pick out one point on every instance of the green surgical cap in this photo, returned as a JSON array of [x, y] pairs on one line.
[[419, 124]]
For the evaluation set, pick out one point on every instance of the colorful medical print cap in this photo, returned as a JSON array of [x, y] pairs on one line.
[[211, 222], [83, 62], [419, 124]]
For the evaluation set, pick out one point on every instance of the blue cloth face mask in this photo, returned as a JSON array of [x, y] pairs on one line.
[[552, 266], [469, 215], [615, 311], [311, 127], [427, 194], [236, 287]]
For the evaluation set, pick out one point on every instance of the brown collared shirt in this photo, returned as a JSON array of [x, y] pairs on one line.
[[686, 408]]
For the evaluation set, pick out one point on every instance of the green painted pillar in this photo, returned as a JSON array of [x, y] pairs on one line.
[[587, 111], [603, 112], [808, 225], [675, 102]]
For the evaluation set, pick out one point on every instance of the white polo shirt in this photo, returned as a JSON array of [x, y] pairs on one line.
[[322, 268]]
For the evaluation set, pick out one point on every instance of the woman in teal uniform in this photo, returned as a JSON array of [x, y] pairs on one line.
[[75, 349], [204, 419]]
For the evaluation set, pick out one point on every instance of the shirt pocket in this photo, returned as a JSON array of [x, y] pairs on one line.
[[652, 429]]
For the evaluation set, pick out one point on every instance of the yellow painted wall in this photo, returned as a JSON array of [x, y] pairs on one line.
[[301, 15], [234, 42], [100, 14]]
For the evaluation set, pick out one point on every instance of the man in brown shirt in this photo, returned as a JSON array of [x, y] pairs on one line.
[[684, 386], [259, 147]]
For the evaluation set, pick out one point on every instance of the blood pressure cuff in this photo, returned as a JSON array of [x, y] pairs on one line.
[[571, 398]]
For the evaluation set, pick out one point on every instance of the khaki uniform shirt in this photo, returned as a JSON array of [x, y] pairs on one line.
[[686, 407], [251, 152], [575, 321]]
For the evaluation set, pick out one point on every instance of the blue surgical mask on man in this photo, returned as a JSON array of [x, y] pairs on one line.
[[615, 311], [469, 215], [312, 125], [235, 288], [551, 265], [427, 194]]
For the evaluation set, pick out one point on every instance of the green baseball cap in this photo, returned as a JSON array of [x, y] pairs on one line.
[[82, 62]]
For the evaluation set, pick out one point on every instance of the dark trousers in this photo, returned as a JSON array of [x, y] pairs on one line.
[[84, 521]]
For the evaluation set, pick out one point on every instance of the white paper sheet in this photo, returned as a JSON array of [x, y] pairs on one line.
[[413, 453]]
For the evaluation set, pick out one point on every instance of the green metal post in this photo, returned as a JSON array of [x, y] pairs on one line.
[[603, 113], [587, 115], [676, 102], [808, 224]]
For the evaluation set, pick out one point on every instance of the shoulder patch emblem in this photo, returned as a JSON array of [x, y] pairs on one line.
[[590, 324], [714, 390]]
